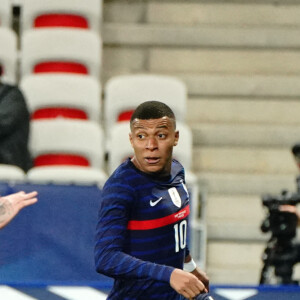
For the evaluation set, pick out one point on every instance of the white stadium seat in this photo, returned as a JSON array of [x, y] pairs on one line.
[[5, 13], [61, 51], [52, 13], [66, 142], [183, 152], [50, 95], [11, 173], [8, 55], [67, 175], [120, 147], [124, 93]]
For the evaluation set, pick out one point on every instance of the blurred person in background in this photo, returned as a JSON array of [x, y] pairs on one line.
[[14, 127], [11, 205]]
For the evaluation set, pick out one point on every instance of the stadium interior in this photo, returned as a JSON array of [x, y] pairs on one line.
[[230, 70]]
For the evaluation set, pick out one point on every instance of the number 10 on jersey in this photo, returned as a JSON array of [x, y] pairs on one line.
[[180, 235]]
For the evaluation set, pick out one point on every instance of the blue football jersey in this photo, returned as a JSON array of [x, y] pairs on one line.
[[142, 232]]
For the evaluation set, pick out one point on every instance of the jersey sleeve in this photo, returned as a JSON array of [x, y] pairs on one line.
[[110, 259]]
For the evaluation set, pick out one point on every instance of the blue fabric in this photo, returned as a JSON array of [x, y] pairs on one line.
[[52, 240]]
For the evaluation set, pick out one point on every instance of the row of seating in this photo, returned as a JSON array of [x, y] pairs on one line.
[[58, 145]]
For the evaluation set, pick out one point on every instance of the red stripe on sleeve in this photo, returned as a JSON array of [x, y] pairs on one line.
[[156, 223]]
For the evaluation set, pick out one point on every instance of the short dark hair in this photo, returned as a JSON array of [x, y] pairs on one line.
[[152, 110]]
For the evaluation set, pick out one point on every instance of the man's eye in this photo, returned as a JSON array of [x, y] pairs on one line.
[[141, 136], [162, 135]]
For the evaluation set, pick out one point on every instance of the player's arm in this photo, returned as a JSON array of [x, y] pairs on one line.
[[11, 205], [111, 232]]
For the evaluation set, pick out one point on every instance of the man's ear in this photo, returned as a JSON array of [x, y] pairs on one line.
[[176, 137]]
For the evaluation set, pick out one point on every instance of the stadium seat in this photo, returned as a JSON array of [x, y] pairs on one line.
[[66, 142], [67, 175], [124, 93], [5, 13], [11, 173], [120, 147], [62, 96], [61, 51], [8, 55], [85, 14], [184, 150]]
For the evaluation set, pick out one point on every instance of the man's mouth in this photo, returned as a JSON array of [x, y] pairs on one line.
[[152, 160]]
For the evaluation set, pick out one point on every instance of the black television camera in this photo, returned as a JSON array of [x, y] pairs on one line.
[[281, 253]]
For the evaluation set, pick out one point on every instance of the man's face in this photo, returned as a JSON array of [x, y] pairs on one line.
[[153, 141]]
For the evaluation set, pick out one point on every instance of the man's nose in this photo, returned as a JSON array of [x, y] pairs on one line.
[[151, 144]]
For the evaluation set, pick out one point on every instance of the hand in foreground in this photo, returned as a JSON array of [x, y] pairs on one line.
[[11, 205], [186, 284]]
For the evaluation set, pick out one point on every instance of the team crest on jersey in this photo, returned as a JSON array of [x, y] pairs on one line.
[[175, 196]]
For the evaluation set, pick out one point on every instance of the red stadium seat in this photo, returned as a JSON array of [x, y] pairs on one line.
[[59, 112], [80, 14], [125, 115], [61, 20], [60, 67], [61, 159]]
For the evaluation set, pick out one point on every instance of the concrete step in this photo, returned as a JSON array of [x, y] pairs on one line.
[[170, 35], [227, 85], [253, 13], [120, 61], [244, 160], [225, 61], [234, 262], [237, 263], [255, 113], [226, 183], [246, 135], [235, 217], [240, 13]]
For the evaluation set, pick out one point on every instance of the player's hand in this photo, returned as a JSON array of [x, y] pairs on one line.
[[186, 284], [201, 275], [10, 205]]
